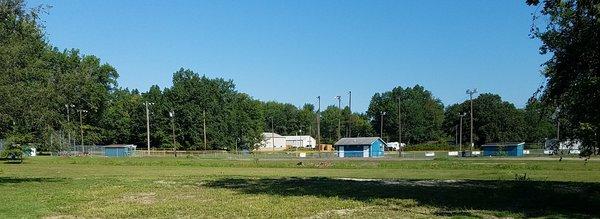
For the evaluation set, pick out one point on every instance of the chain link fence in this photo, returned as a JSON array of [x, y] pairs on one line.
[[82, 150], [98, 150], [215, 154]]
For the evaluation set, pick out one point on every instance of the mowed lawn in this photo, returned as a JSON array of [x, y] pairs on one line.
[[96, 187]]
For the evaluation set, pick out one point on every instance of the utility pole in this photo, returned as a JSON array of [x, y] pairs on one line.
[[81, 111], [172, 115], [204, 127], [470, 93], [381, 125], [399, 128], [69, 122], [456, 135], [350, 118], [339, 130], [460, 141], [147, 104], [272, 134], [319, 122], [399, 121]]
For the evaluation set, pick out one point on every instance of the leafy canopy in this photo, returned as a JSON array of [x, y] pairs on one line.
[[570, 34]]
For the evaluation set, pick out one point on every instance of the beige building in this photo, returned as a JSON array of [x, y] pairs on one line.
[[271, 141], [300, 141]]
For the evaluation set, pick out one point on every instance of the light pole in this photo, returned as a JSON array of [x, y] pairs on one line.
[[470, 93], [399, 127], [319, 121], [381, 125], [172, 115], [81, 111], [339, 131], [69, 122], [147, 104], [460, 138], [350, 117]]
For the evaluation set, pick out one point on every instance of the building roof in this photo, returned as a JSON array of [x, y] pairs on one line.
[[358, 141], [119, 145], [271, 135], [502, 144], [298, 137]]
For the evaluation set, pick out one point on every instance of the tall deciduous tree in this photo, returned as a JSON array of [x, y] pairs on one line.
[[37, 81], [232, 119], [329, 124], [539, 123], [123, 120], [494, 120], [572, 37], [421, 114], [284, 116]]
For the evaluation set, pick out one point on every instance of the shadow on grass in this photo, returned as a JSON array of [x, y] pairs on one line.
[[454, 198], [4, 180]]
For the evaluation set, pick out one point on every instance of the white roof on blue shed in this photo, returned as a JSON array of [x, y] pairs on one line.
[[358, 141], [502, 144]]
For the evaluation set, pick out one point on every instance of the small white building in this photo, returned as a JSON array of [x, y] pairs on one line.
[[271, 141], [572, 146], [395, 146], [300, 141]]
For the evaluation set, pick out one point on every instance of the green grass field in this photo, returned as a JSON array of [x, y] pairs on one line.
[[95, 187]]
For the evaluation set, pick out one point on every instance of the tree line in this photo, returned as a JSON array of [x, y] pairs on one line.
[[50, 97], [416, 116]]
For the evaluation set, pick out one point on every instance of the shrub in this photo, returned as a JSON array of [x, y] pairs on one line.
[[13, 152]]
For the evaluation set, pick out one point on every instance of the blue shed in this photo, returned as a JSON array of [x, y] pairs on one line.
[[119, 150], [503, 149], [360, 147]]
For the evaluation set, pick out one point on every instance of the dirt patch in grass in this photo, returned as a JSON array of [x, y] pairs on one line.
[[60, 217], [141, 198], [165, 182], [338, 212], [424, 183]]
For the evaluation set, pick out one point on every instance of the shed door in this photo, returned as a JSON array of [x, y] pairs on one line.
[[365, 151], [341, 151]]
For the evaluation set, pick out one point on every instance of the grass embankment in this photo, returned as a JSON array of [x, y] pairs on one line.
[[187, 186]]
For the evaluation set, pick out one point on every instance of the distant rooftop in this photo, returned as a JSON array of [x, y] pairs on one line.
[[499, 144], [357, 141], [271, 135], [119, 145]]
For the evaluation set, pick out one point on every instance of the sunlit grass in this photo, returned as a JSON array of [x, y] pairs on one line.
[[193, 187]]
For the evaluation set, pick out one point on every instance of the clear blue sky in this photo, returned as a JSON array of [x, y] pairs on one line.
[[292, 51]]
